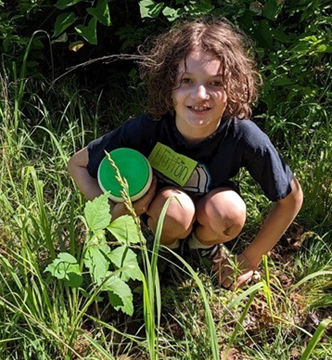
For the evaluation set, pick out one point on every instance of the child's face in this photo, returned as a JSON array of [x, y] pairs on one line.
[[199, 99]]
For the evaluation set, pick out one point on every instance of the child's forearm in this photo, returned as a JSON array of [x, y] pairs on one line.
[[279, 218], [87, 184], [77, 168]]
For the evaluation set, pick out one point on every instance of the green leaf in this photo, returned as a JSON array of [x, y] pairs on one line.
[[126, 260], [272, 9], [149, 9], [61, 39], [74, 280], [280, 35], [316, 337], [62, 22], [96, 259], [171, 14], [266, 33], [124, 230], [66, 267], [89, 33], [120, 295], [63, 4], [101, 12], [199, 8], [282, 81], [97, 213], [322, 48]]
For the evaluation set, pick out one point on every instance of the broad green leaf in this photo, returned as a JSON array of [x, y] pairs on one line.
[[66, 267], [74, 280], [199, 8], [280, 35], [63, 4], [62, 22], [171, 14], [322, 48], [265, 32], [101, 12], [144, 7], [96, 259], [98, 239], [120, 295], [272, 9], [89, 33], [97, 213], [124, 230], [126, 260], [67, 258], [149, 9]]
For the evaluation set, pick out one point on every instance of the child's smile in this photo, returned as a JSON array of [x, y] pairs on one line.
[[200, 98]]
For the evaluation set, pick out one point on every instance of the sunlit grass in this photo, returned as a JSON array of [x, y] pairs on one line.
[[186, 316]]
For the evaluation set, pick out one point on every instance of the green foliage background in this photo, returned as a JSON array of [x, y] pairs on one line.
[[48, 112], [293, 43]]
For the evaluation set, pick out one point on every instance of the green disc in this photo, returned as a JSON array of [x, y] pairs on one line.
[[133, 166]]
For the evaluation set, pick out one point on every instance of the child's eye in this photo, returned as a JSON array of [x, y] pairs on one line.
[[186, 81], [216, 83]]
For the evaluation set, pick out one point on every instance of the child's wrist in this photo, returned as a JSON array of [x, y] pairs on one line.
[[251, 262], [117, 210]]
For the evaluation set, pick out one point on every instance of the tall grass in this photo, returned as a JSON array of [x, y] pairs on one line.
[[186, 315]]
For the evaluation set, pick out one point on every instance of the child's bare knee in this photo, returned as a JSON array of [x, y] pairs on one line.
[[232, 219], [179, 216], [224, 214]]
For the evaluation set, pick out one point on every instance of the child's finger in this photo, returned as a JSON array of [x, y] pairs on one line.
[[226, 283], [224, 274], [143, 203], [242, 280]]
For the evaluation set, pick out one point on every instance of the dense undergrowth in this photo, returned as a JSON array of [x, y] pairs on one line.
[[283, 314]]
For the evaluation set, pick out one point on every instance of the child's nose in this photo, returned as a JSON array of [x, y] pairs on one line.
[[201, 92]]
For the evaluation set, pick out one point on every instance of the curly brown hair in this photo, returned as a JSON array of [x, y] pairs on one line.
[[162, 55]]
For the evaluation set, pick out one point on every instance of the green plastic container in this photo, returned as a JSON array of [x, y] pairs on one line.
[[133, 166]]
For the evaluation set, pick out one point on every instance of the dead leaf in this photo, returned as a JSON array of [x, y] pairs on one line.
[[75, 46]]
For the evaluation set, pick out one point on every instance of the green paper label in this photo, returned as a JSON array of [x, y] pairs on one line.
[[175, 166]]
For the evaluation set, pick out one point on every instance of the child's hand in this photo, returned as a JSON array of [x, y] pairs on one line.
[[140, 206], [233, 272]]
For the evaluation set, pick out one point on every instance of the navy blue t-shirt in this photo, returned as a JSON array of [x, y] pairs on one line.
[[235, 144]]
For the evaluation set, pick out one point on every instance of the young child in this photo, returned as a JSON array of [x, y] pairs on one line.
[[197, 135]]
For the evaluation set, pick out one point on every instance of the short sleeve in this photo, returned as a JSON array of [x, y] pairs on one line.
[[97, 148], [134, 133], [265, 164]]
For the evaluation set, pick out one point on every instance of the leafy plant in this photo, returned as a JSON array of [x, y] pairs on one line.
[[15, 33], [152, 9], [109, 270], [91, 17]]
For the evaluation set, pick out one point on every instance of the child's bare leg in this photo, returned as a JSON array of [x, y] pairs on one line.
[[221, 215], [179, 218]]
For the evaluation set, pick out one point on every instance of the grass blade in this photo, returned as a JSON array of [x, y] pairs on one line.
[[311, 276], [208, 313], [315, 338], [238, 325]]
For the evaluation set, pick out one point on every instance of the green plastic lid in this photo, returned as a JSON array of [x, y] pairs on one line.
[[133, 166]]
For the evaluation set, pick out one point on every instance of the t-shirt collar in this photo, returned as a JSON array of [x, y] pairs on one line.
[[182, 141]]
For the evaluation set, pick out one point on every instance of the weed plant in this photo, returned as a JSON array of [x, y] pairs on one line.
[[182, 315]]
